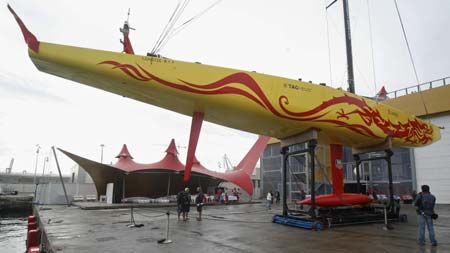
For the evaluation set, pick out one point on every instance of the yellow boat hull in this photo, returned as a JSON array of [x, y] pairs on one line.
[[248, 101]]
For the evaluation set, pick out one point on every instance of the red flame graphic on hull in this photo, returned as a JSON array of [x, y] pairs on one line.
[[413, 131]]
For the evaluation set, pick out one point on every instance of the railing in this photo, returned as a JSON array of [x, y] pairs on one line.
[[420, 87]]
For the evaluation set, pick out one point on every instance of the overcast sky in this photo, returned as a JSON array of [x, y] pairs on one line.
[[286, 38]]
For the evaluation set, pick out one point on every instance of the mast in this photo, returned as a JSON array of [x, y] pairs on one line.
[[127, 47], [348, 43]]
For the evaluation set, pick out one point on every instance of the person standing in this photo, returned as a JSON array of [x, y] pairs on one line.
[[236, 194], [186, 204], [180, 203], [226, 198], [199, 202], [277, 197], [219, 195], [425, 202], [269, 200]]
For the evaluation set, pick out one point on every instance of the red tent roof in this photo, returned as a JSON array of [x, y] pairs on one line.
[[172, 149], [382, 94], [124, 152], [240, 176], [170, 161]]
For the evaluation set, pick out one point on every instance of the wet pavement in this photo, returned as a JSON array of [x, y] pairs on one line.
[[233, 228]]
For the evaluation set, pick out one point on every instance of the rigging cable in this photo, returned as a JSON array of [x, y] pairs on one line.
[[371, 48], [341, 36], [329, 48], [169, 31], [181, 27], [411, 57], [183, 7], [355, 20], [165, 28], [172, 20], [177, 16]]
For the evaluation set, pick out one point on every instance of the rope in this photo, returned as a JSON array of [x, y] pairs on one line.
[[150, 216], [214, 217], [410, 56], [215, 214]]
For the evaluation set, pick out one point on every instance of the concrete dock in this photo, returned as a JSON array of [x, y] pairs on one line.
[[232, 228]]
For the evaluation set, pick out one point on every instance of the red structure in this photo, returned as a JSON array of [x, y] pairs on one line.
[[382, 94], [165, 177], [125, 30], [338, 197]]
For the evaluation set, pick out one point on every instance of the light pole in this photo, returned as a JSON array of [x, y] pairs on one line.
[[35, 169], [36, 164], [101, 157], [43, 169]]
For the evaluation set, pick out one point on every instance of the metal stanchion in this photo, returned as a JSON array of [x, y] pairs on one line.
[[386, 224], [132, 222], [166, 240], [329, 220]]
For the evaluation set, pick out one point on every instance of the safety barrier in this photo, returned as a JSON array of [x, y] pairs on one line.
[[33, 235], [420, 87]]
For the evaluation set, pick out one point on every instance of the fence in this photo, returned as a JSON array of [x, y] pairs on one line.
[[419, 88]]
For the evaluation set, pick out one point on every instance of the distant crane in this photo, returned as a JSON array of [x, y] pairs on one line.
[[8, 169], [227, 165]]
